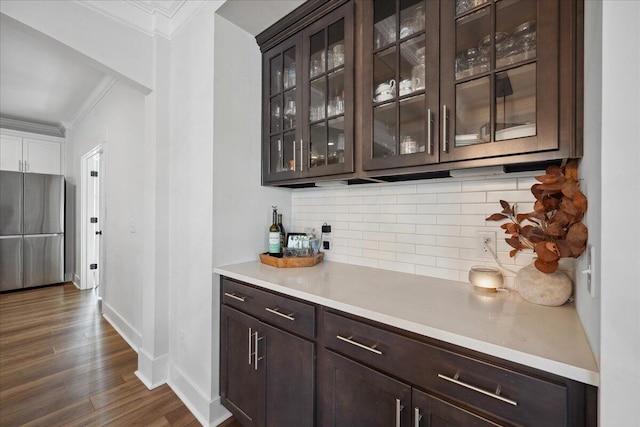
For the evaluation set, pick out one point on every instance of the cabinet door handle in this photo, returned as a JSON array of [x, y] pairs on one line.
[[301, 155], [235, 296], [495, 395], [357, 344], [250, 353], [399, 408], [277, 311], [255, 344], [429, 132], [294, 155], [445, 129], [416, 417]]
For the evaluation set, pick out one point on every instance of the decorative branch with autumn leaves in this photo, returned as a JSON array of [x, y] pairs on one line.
[[554, 229]]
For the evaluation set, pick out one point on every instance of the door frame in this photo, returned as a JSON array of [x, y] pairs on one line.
[[84, 183]]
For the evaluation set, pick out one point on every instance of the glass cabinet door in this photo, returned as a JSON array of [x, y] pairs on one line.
[[281, 153], [403, 95], [328, 97], [494, 101]]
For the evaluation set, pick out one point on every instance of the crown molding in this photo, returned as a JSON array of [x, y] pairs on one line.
[[149, 17], [94, 97], [22, 126]]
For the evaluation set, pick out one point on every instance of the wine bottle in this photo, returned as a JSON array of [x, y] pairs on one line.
[[283, 234], [274, 235]]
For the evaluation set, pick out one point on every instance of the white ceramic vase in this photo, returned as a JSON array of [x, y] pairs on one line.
[[545, 289]]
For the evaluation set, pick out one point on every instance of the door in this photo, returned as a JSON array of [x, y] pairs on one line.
[[429, 411], [41, 156], [43, 204], [356, 396], [500, 69], [11, 153], [241, 369], [11, 202], [328, 94], [43, 259], [95, 220], [10, 262], [289, 378]]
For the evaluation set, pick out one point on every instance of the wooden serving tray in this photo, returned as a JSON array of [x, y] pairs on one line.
[[290, 262]]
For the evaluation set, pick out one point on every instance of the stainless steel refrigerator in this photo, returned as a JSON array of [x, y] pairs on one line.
[[31, 229]]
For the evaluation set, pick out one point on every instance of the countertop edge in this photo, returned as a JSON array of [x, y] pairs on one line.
[[572, 372]]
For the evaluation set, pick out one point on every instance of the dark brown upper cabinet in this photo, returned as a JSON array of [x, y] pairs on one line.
[[308, 99], [440, 85], [400, 83]]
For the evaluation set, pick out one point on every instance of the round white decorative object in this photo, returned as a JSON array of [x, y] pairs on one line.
[[545, 289], [486, 279]]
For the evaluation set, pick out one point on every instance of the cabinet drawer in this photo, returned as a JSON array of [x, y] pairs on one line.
[[290, 315], [522, 399]]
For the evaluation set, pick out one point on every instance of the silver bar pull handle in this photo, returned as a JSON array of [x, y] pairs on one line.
[[250, 353], [445, 129], [399, 408], [235, 296], [357, 344], [277, 311], [294, 155], [255, 342], [495, 395], [301, 155], [429, 132], [416, 417]]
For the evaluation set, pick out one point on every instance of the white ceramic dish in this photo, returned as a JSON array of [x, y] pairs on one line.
[[516, 132], [384, 97]]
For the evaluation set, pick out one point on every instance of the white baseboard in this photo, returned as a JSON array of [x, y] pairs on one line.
[[153, 372], [208, 412], [126, 331]]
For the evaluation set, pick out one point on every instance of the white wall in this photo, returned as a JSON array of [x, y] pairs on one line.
[[241, 207], [117, 119], [588, 304], [620, 323]]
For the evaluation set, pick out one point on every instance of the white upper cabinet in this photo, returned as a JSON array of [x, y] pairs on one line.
[[21, 152]]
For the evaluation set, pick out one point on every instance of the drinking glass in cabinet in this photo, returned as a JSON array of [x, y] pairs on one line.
[[412, 17], [472, 110], [338, 55], [276, 114], [412, 125], [464, 5], [473, 43], [515, 113], [317, 102], [412, 68], [384, 130], [290, 76], [290, 110], [518, 19], [384, 23], [278, 155]]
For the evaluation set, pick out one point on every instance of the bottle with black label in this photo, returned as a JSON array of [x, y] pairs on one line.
[[274, 235], [283, 234]]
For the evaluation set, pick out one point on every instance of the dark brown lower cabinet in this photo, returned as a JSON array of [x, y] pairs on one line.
[[266, 374], [353, 395], [429, 411]]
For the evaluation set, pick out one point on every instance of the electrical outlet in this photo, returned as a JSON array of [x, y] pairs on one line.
[[486, 242], [182, 340]]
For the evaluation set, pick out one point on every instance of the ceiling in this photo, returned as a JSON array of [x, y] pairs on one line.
[[44, 82]]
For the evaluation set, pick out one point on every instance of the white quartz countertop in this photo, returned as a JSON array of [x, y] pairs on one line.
[[501, 324]]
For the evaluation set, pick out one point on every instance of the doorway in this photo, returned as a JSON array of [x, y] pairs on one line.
[[92, 217]]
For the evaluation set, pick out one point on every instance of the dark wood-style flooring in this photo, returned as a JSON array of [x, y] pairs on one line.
[[61, 363]]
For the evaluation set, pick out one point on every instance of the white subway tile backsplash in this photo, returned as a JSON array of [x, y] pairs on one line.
[[490, 185], [476, 197], [397, 247], [416, 219], [439, 230], [375, 254], [416, 239], [416, 199], [439, 187], [398, 228], [460, 220], [423, 227]]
